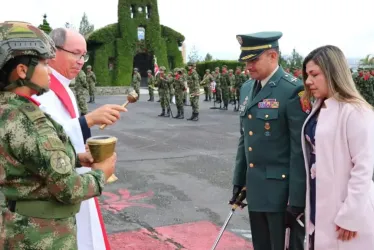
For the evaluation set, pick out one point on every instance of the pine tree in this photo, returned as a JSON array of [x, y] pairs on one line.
[[45, 26]]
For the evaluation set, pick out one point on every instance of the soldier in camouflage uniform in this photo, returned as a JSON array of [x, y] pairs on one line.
[[225, 87], [179, 90], [150, 82], [42, 191], [163, 91], [91, 82], [171, 86], [194, 86], [208, 78], [232, 88], [81, 92], [135, 83], [239, 80], [217, 79]]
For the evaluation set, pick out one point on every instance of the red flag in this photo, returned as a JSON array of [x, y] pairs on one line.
[[156, 69]]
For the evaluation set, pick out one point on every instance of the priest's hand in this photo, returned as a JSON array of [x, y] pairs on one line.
[[107, 166], [107, 114], [85, 159]]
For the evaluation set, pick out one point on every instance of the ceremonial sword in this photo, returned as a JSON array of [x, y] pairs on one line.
[[238, 203]]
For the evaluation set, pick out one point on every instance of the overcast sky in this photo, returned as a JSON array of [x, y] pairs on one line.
[[211, 25]]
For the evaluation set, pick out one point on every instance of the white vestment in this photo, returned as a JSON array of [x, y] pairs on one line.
[[89, 230]]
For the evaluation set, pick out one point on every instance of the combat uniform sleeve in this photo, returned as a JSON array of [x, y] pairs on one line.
[[44, 155], [297, 176]]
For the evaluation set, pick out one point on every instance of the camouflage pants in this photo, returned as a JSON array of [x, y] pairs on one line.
[[208, 93], [151, 92], [225, 94], [22, 232], [91, 89], [179, 98], [82, 102], [136, 87], [218, 94], [164, 99], [237, 94], [195, 104]]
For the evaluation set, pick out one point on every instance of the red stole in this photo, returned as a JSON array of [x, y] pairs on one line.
[[63, 95]]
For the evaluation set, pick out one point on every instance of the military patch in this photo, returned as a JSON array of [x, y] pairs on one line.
[[305, 105], [60, 162], [240, 40], [52, 143]]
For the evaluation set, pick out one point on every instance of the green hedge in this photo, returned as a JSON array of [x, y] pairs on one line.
[[121, 42], [231, 64]]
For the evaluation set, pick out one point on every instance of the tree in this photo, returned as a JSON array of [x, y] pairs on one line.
[[193, 56], [208, 58], [69, 26], [367, 61], [295, 61], [85, 28], [45, 26]]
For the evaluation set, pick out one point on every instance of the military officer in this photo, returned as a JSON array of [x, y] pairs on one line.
[[269, 160]]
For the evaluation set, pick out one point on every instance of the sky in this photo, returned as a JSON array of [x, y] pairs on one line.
[[211, 26]]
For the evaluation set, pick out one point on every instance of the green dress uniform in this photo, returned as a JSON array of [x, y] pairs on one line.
[[269, 160]]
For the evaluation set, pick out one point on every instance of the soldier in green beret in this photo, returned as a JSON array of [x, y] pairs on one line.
[[269, 160]]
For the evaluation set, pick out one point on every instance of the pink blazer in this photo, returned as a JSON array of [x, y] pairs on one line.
[[344, 171]]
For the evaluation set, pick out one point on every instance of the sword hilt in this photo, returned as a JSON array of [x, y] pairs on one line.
[[239, 200]]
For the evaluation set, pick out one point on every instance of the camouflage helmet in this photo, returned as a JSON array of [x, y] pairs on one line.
[[23, 39]]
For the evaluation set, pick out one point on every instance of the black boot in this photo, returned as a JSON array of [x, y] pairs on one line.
[[192, 117], [181, 114], [168, 113], [196, 117], [178, 115], [163, 113]]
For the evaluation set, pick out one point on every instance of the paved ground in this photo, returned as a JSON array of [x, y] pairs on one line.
[[174, 179]]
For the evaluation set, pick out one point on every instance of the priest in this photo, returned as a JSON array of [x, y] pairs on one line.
[[60, 103]]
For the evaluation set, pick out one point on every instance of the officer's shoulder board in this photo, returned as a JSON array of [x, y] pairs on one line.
[[31, 111], [291, 79]]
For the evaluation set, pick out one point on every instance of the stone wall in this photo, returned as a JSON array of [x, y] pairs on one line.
[[120, 90]]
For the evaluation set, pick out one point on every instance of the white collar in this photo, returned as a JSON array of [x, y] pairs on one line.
[[61, 78], [265, 81]]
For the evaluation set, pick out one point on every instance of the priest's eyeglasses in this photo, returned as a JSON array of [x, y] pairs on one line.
[[76, 55]]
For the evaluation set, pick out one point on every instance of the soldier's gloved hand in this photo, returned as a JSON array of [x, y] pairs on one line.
[[235, 193]]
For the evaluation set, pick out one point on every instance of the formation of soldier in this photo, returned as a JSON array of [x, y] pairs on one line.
[[221, 86]]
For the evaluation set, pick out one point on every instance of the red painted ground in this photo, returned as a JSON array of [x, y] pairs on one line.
[[195, 236]]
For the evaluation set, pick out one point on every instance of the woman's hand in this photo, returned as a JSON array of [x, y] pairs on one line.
[[344, 234], [85, 159]]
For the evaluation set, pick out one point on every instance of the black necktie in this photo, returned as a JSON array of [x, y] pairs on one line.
[[258, 87]]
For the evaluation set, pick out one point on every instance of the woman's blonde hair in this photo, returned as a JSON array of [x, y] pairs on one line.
[[339, 79]]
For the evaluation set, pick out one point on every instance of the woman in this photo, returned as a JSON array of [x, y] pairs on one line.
[[37, 160], [338, 146]]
